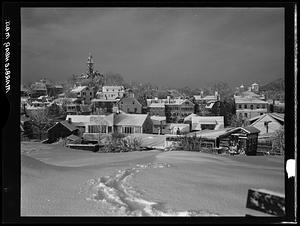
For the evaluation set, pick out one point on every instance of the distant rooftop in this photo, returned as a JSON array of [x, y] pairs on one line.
[[248, 100], [78, 89]]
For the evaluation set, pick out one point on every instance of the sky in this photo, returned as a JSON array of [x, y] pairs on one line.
[[172, 47]]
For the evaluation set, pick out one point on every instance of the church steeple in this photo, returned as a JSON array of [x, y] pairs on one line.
[[90, 63]]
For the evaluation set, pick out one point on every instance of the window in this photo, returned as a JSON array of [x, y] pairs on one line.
[[257, 106], [127, 129], [262, 106], [246, 115], [251, 106], [93, 129], [103, 129], [240, 106], [245, 106], [133, 102]]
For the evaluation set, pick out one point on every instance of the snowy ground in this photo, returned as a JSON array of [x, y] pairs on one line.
[[57, 181]]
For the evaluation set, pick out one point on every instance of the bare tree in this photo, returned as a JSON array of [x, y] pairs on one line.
[[278, 143], [40, 121]]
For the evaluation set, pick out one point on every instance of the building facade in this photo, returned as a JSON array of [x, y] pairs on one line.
[[157, 109], [178, 109], [111, 92], [130, 105], [84, 93], [249, 107]]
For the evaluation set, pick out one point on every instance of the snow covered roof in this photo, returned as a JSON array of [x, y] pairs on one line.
[[92, 119], [248, 100], [157, 105], [157, 120], [179, 102], [247, 129], [130, 119], [210, 134], [189, 117], [78, 89], [208, 119], [277, 116], [208, 97]]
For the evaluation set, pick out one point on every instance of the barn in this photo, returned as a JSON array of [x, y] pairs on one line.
[[62, 129]]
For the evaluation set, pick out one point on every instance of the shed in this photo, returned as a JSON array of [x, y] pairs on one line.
[[245, 138], [61, 129]]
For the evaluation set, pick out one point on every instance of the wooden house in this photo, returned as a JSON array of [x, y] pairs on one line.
[[133, 123], [268, 123], [62, 129], [129, 104], [246, 139], [84, 93]]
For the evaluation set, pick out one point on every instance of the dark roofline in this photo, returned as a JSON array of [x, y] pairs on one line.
[[66, 124], [247, 129]]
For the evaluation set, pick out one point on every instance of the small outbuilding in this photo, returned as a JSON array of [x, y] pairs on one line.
[[243, 138], [62, 129]]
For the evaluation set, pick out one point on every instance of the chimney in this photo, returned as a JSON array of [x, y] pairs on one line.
[[168, 99]]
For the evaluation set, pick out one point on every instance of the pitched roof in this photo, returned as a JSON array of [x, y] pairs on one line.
[[104, 100], [78, 89], [158, 120], [73, 137], [68, 125], [277, 116], [208, 119], [130, 119], [179, 102], [92, 119], [189, 117], [157, 105], [208, 97], [249, 93], [248, 100], [251, 129], [113, 87], [210, 134], [65, 123], [247, 129]]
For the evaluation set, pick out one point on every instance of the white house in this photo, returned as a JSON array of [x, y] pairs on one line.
[[111, 92], [207, 122], [248, 107]]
